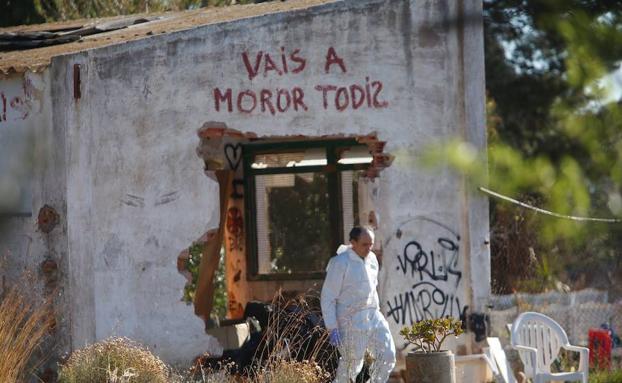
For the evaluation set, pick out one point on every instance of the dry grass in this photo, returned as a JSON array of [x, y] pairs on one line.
[[289, 371], [293, 351], [115, 360], [23, 326], [207, 375], [283, 335], [294, 348]]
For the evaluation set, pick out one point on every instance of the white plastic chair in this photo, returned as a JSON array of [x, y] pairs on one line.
[[538, 340], [501, 370]]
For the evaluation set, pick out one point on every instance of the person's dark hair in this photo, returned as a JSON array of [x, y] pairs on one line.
[[357, 231]]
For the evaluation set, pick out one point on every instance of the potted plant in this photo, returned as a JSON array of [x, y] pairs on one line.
[[429, 363]]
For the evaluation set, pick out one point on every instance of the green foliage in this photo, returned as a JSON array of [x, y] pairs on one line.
[[219, 310], [113, 360], [554, 140], [614, 376], [428, 335], [558, 135], [193, 262], [18, 12], [195, 253]]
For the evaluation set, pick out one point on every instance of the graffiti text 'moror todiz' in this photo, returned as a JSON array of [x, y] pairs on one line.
[[364, 93]]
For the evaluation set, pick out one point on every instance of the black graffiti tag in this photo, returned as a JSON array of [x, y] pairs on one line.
[[424, 301], [233, 155], [437, 266], [238, 189]]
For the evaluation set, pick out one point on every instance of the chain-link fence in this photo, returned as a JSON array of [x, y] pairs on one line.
[[576, 312], [575, 280]]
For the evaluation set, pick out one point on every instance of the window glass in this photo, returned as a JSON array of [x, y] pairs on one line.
[[293, 228], [303, 199]]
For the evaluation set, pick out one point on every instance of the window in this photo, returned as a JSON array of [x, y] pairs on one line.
[[301, 201]]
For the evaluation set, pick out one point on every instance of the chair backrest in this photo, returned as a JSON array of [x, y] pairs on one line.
[[541, 332]]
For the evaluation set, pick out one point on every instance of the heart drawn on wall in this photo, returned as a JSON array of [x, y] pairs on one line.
[[233, 154]]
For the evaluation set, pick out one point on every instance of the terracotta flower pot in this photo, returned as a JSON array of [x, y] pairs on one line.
[[431, 367]]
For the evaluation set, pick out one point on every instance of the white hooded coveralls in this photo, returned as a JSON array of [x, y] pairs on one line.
[[350, 303]]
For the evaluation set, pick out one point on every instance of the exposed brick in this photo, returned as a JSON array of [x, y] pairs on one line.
[[182, 258], [47, 219], [49, 266], [212, 129]]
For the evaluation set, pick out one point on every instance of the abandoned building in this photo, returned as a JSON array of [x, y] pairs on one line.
[[263, 132]]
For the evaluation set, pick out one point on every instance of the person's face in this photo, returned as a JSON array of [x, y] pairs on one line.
[[363, 245]]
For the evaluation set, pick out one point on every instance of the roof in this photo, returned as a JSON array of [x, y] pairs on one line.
[[115, 30]]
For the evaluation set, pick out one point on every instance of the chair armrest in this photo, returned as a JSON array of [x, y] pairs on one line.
[[526, 348], [533, 356], [570, 347], [584, 354]]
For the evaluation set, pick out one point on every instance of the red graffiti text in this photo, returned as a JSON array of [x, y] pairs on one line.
[[283, 64], [353, 96], [265, 100]]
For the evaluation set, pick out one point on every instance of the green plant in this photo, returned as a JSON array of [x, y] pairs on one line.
[[195, 253], [23, 326], [113, 360], [428, 335], [614, 376]]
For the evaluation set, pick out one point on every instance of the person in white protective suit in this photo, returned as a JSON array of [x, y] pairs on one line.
[[351, 310]]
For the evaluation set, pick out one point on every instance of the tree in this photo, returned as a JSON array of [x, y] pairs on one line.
[[554, 135], [18, 12]]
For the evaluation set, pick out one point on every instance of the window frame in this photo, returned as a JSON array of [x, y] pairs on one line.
[[333, 173]]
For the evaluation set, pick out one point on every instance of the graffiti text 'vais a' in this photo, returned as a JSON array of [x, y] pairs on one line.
[[366, 93]]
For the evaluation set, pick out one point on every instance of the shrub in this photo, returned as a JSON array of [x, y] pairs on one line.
[[22, 328], [428, 335], [113, 360]]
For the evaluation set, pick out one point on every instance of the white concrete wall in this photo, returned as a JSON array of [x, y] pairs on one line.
[[32, 157], [24, 107], [137, 196], [25, 111]]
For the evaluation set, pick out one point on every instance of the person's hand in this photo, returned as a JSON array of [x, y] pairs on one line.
[[334, 338]]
